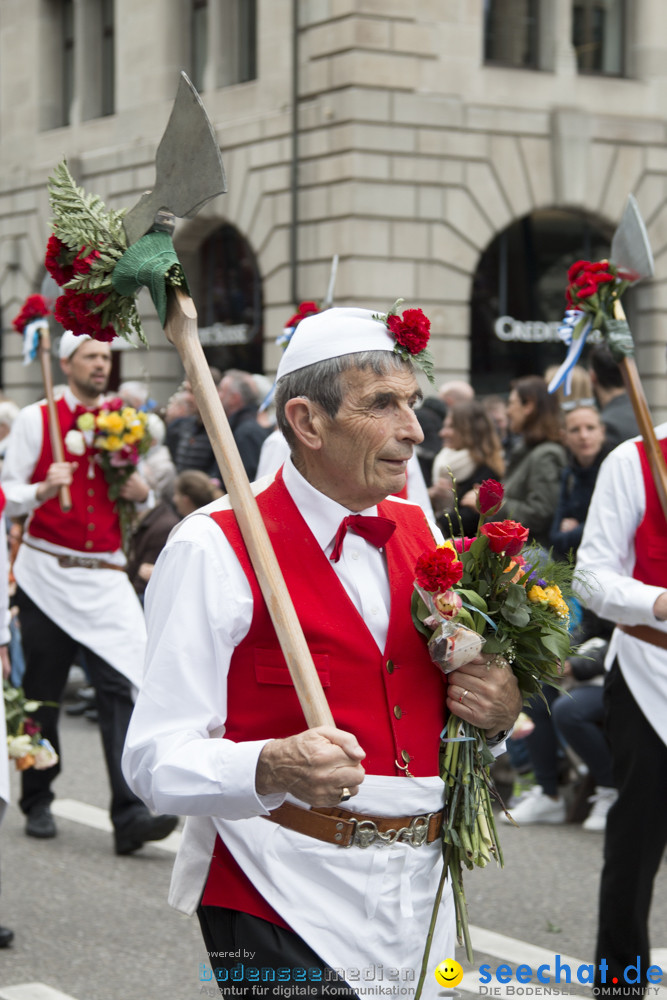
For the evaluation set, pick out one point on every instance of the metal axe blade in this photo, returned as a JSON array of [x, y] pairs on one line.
[[630, 247], [182, 185]]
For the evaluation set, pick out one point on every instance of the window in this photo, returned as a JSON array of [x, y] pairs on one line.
[[77, 67], [67, 56], [198, 41], [511, 33], [597, 35], [223, 42], [107, 62]]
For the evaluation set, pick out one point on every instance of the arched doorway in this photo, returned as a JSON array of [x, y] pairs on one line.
[[518, 294], [228, 298]]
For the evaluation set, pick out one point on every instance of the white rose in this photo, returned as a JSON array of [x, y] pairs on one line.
[[75, 443]]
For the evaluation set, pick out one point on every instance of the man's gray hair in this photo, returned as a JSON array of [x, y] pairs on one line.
[[243, 383], [321, 383]]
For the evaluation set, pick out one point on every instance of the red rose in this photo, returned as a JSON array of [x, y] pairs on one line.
[[58, 260], [490, 496], [438, 570], [34, 307], [412, 330], [507, 537]]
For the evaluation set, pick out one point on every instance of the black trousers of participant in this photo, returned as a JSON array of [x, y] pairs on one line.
[[255, 944], [635, 838], [49, 653]]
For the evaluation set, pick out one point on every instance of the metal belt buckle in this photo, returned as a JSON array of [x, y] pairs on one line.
[[69, 562], [366, 833]]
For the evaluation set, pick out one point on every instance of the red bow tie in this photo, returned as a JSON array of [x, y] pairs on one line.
[[376, 530]]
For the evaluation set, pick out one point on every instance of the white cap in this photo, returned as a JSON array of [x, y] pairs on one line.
[[69, 343], [332, 334]]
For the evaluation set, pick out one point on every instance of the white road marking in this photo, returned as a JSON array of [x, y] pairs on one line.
[[81, 812]]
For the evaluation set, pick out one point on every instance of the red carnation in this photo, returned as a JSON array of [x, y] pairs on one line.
[[58, 260], [81, 264], [490, 496], [412, 330], [305, 309], [507, 537], [438, 570], [34, 307]]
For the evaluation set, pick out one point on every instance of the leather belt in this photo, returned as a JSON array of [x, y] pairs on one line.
[[346, 829], [647, 634], [84, 562]]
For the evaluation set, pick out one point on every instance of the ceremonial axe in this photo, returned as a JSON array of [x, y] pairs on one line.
[[632, 256], [189, 173]]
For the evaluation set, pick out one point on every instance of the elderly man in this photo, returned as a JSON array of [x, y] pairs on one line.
[[217, 733], [73, 590]]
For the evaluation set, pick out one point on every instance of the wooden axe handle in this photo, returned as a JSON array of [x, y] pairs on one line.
[[181, 331], [635, 390], [55, 435]]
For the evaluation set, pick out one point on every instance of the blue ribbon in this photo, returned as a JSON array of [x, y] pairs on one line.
[[476, 611], [31, 336], [573, 331]]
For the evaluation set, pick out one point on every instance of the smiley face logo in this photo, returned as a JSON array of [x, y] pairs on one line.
[[449, 972]]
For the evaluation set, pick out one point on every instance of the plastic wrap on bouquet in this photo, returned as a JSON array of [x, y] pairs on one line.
[[451, 644]]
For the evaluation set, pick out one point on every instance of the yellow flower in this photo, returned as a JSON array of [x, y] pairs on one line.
[[114, 423], [537, 594], [555, 599], [112, 443], [128, 413]]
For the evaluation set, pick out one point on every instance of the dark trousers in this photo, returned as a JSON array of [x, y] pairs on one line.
[[635, 837], [49, 653], [278, 955]]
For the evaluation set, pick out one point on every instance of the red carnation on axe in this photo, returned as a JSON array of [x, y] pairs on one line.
[[34, 307]]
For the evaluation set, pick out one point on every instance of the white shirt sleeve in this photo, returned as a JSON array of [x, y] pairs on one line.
[[606, 556], [25, 445], [198, 607]]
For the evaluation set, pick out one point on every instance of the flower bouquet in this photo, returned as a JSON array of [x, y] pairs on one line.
[[25, 744], [115, 437], [495, 594]]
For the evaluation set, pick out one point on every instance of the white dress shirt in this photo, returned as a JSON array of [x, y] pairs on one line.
[[97, 607], [604, 582], [357, 908]]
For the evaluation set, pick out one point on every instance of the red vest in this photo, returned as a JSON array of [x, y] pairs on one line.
[[651, 535], [393, 701], [92, 524]]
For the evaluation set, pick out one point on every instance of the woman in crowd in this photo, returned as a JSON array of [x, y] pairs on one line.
[[584, 438], [532, 481], [472, 453]]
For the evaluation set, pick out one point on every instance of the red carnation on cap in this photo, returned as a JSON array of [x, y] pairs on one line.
[[412, 330]]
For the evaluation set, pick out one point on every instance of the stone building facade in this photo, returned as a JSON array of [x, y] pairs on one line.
[[459, 154]]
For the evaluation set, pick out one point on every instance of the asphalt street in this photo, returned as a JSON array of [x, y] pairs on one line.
[[93, 926]]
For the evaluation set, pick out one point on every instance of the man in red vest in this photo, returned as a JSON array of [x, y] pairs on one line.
[[73, 590], [622, 573], [217, 732]]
